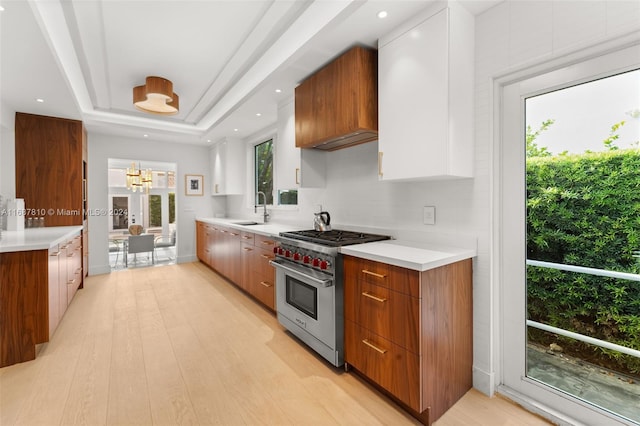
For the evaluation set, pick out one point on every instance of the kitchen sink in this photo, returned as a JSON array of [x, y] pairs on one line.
[[248, 223]]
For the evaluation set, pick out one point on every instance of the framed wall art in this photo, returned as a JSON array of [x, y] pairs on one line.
[[193, 185]]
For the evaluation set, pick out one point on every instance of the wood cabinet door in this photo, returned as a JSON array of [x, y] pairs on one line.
[[201, 241], [49, 167], [339, 99], [54, 292], [390, 314], [234, 272], [392, 367], [371, 300], [63, 278], [214, 242], [247, 259], [262, 285]]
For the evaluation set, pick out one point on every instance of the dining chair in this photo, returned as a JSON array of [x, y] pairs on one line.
[[140, 244]]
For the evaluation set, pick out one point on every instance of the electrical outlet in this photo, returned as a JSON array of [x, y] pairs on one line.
[[429, 215]]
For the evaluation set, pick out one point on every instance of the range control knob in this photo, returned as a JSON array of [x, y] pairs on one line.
[[316, 262], [296, 256], [324, 264], [280, 251], [287, 253], [276, 250], [306, 259]]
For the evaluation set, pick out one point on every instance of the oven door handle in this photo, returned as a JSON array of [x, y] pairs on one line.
[[317, 282]]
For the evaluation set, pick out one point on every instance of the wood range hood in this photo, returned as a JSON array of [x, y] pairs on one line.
[[337, 106]]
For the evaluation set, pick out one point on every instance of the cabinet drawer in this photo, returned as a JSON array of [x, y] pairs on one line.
[[264, 242], [263, 288], [247, 237], [390, 314], [389, 365], [381, 274]]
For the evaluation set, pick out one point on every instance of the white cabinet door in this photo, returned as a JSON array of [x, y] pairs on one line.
[[287, 156], [295, 167], [425, 122], [227, 162]]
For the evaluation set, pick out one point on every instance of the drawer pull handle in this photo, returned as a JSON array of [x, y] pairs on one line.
[[264, 283], [371, 296], [364, 271], [267, 242], [374, 347], [234, 234], [246, 237], [246, 249], [264, 256]]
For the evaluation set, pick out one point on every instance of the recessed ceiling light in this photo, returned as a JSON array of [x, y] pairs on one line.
[[382, 14], [145, 135], [209, 140], [258, 114], [278, 91], [1, 9], [235, 130], [40, 100]]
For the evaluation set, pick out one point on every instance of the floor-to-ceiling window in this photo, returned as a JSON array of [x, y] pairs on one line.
[[568, 232]]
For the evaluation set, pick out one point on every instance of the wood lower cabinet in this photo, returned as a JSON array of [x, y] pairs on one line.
[[36, 288], [241, 257], [263, 277], [201, 242], [74, 267], [410, 332]]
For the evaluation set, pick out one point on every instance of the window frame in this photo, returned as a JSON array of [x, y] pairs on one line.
[[509, 223], [255, 171]]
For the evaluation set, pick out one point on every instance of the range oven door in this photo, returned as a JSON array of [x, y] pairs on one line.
[[306, 298]]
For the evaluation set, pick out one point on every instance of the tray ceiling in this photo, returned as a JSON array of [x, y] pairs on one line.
[[225, 58]]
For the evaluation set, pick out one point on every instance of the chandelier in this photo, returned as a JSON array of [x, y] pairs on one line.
[[138, 179], [156, 96]]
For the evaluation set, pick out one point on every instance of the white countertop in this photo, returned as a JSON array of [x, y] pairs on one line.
[[36, 238], [419, 256], [267, 229], [416, 255]]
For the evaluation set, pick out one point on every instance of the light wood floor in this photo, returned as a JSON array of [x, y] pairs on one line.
[[179, 345]]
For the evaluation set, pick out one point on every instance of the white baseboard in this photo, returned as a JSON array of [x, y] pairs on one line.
[[99, 270], [484, 381]]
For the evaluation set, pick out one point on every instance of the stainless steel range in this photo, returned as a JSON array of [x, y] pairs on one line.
[[309, 287]]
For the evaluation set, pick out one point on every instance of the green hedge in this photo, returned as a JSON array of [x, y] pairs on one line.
[[585, 210]]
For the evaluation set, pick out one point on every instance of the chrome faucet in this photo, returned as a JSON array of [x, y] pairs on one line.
[[264, 204]]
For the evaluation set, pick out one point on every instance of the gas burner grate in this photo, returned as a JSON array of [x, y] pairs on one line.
[[334, 238]]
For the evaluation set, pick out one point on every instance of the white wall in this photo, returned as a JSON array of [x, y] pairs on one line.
[[7, 153], [190, 159], [513, 35]]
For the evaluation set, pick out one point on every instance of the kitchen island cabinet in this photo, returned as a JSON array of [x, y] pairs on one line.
[[40, 272], [410, 332], [426, 97]]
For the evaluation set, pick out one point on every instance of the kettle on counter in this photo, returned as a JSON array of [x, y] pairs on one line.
[[322, 221]]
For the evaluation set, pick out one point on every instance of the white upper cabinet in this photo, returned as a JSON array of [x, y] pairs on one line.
[[227, 162], [295, 167], [425, 92]]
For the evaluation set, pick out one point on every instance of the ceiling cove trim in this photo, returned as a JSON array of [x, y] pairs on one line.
[[50, 18], [317, 16]]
